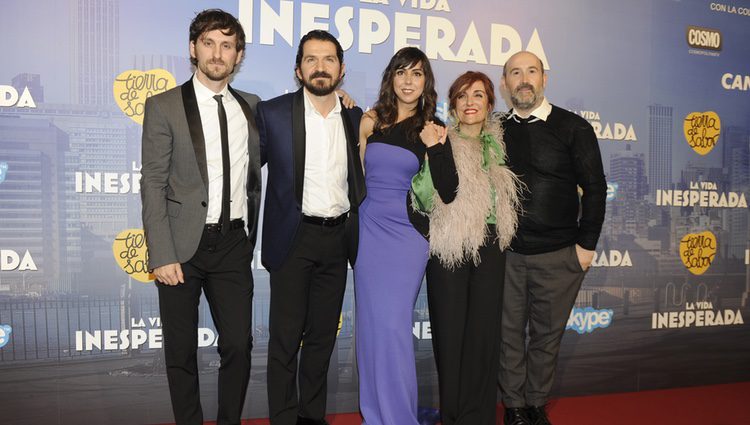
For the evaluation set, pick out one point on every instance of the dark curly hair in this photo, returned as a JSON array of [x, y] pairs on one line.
[[319, 35], [216, 19], [386, 107]]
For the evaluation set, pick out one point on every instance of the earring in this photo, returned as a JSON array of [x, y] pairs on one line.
[[454, 120]]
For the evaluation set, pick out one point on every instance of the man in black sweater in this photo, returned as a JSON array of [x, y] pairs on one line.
[[554, 152]]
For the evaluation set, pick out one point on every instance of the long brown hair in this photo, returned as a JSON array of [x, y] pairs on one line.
[[386, 107]]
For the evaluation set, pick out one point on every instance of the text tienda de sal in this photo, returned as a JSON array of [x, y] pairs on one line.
[[423, 24]]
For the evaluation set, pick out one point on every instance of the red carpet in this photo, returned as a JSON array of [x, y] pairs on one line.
[[727, 404]]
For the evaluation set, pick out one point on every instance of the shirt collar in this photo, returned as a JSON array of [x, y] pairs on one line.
[[310, 108], [203, 93], [540, 113]]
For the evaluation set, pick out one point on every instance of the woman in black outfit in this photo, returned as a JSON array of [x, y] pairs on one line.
[[466, 268]]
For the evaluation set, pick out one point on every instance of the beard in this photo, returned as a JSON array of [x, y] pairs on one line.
[[523, 104], [218, 74], [320, 88]]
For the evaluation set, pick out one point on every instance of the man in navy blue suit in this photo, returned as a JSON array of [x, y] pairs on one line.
[[315, 184]]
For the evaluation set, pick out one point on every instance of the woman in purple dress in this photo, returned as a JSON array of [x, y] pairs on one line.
[[392, 253]]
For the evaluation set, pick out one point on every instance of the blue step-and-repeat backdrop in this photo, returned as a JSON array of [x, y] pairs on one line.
[[665, 84]]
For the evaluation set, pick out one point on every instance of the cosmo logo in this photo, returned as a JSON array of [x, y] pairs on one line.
[[585, 320], [703, 38]]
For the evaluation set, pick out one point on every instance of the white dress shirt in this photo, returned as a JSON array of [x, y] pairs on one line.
[[238, 155], [325, 190], [540, 113]]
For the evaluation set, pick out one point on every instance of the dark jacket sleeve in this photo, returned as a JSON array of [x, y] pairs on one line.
[[443, 171], [260, 121], [589, 174]]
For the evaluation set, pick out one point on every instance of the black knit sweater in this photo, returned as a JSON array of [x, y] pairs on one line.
[[552, 158]]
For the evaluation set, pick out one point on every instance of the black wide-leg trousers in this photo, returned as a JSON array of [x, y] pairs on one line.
[[465, 318]]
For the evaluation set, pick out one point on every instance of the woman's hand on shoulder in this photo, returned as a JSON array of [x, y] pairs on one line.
[[433, 134], [347, 100]]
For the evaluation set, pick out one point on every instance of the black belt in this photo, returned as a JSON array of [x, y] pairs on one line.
[[325, 221], [237, 223]]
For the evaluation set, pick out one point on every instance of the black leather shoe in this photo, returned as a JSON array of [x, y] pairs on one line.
[[515, 416], [537, 415], [308, 421]]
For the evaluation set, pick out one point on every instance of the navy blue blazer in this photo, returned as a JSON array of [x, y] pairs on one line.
[[281, 127]]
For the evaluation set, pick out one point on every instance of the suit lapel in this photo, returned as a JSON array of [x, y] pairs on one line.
[[298, 143], [355, 177], [253, 149], [193, 115], [245, 108]]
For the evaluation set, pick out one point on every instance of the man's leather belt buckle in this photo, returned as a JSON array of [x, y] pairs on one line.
[[216, 227], [325, 221]]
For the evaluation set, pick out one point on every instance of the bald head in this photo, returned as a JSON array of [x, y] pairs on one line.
[[524, 80], [523, 54]]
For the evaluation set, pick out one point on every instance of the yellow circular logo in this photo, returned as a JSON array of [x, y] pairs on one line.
[[697, 251], [133, 87], [702, 130], [131, 254]]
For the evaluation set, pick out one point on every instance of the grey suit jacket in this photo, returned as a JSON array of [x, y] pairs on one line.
[[174, 175]]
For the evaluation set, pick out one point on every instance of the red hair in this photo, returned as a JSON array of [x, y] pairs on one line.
[[464, 81]]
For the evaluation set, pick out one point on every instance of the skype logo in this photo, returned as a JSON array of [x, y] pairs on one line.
[[5, 332]]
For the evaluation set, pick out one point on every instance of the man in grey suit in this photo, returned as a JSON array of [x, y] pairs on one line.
[[200, 189]]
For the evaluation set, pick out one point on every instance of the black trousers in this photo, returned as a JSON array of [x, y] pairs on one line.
[[540, 291], [221, 268], [465, 317], [306, 297]]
